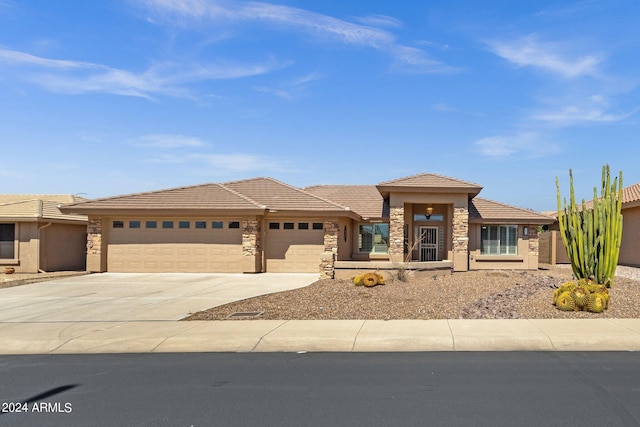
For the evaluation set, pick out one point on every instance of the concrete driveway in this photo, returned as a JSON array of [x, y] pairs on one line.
[[136, 296]]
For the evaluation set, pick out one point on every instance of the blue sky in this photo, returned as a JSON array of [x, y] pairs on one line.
[[113, 97]]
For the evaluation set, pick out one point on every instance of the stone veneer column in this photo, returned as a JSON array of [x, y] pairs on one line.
[[328, 257], [251, 246], [396, 233], [94, 245], [534, 240], [460, 239]]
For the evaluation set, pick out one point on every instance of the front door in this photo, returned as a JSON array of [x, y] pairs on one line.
[[428, 243]]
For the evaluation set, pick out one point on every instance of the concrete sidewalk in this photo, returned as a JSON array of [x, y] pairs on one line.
[[325, 335]]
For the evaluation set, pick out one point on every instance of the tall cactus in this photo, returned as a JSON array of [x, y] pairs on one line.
[[592, 234]]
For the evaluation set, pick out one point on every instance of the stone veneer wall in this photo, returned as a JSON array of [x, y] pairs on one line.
[[396, 233], [250, 237], [94, 236], [534, 240], [251, 246], [460, 237], [328, 257]]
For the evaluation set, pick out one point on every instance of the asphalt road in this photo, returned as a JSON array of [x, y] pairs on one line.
[[322, 389]]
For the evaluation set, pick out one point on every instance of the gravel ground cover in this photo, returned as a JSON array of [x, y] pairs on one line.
[[467, 295]]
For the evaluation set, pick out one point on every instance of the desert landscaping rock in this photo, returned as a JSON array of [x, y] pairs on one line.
[[464, 295]]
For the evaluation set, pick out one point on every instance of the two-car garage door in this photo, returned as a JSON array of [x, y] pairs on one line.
[[175, 246], [140, 245]]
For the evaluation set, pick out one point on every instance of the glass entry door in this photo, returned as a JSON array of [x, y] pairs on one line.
[[428, 243]]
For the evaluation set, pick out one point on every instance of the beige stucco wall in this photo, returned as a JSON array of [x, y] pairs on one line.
[[526, 259], [27, 248], [630, 247], [62, 247]]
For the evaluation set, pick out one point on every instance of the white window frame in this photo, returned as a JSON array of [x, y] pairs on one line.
[[496, 246]]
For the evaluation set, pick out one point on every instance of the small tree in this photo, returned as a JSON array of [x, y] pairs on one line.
[[592, 233]]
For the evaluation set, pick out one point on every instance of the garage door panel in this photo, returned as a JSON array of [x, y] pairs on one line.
[[298, 251], [175, 251]]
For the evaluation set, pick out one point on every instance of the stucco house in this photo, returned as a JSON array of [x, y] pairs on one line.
[[35, 236], [553, 251], [262, 224]]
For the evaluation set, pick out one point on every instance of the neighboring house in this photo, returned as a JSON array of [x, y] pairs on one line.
[[35, 236], [262, 224], [552, 249]]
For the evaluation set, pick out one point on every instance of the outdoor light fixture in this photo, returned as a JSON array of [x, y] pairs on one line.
[[429, 211], [525, 231]]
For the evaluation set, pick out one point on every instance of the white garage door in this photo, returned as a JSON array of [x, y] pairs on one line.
[[293, 247], [174, 246]]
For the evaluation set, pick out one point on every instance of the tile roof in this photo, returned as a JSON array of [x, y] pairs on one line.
[[631, 194], [279, 196], [429, 180], [25, 208], [365, 200], [483, 210], [197, 197], [432, 181], [252, 194]]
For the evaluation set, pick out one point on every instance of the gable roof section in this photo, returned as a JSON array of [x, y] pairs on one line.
[[197, 197], [490, 212], [365, 200], [631, 194], [254, 195], [430, 182], [30, 209], [276, 195]]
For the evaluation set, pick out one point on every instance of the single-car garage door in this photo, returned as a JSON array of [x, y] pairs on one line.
[[174, 246], [293, 247]]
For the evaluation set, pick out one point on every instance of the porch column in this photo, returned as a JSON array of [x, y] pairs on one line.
[[460, 239], [396, 233], [328, 257], [95, 259], [534, 247], [251, 246]]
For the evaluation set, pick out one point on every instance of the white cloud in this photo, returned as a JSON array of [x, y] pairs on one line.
[[311, 23], [376, 20], [552, 57], [167, 141], [523, 145], [593, 109], [168, 78]]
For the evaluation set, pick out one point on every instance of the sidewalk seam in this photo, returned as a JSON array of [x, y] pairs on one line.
[[543, 333], [355, 339], [171, 336], [264, 335], [453, 337]]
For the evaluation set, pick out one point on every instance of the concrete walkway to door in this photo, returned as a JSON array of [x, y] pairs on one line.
[[122, 297]]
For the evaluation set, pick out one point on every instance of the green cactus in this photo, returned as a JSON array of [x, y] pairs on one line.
[[596, 303], [566, 302], [581, 297], [592, 234]]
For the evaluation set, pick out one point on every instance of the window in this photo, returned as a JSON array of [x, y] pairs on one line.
[[423, 217], [167, 224], [234, 224], [201, 224], [288, 226], [274, 226], [184, 224], [7, 241], [134, 224], [318, 226], [151, 224], [216, 224], [373, 238], [118, 224], [303, 226], [499, 240]]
